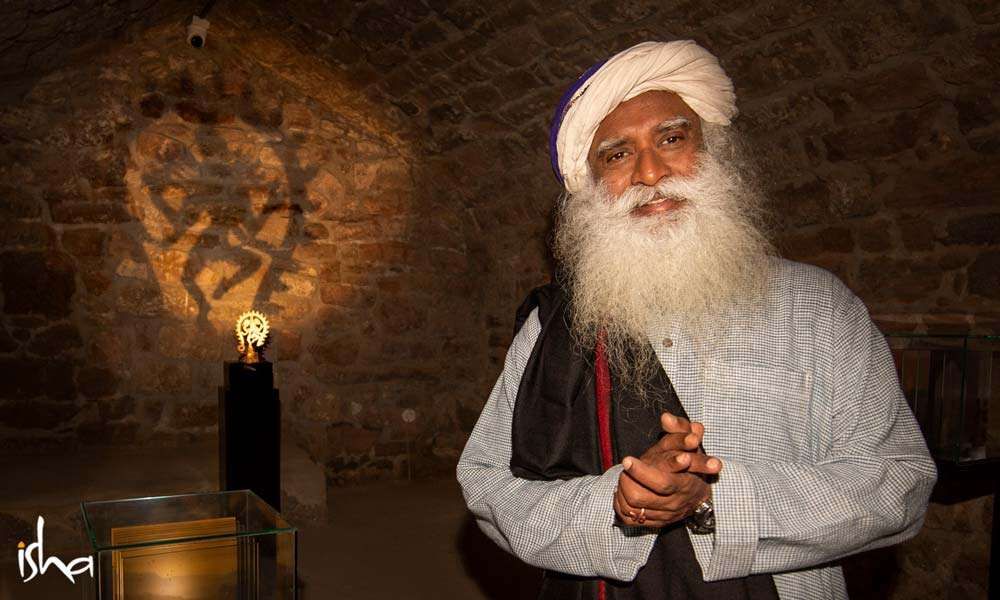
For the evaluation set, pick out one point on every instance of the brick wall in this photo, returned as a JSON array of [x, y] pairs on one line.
[[374, 177], [152, 192]]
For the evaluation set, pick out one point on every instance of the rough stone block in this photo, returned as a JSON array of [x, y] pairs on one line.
[[897, 281], [527, 108], [114, 409], [96, 382], [23, 275], [985, 142], [802, 203], [602, 13], [7, 342], [338, 351], [76, 213], [827, 240], [84, 241], [796, 109], [427, 34], [18, 203], [513, 14], [984, 275], [104, 169], [131, 269], [100, 433], [350, 439], [155, 146], [398, 317], [33, 378], [141, 299], [977, 107], [884, 136], [917, 232], [152, 105], [963, 182], [562, 29], [315, 231], [868, 36], [185, 416], [193, 111], [57, 340], [35, 414], [520, 47], [874, 235], [895, 87], [482, 97], [986, 12], [977, 230], [761, 69], [20, 235]]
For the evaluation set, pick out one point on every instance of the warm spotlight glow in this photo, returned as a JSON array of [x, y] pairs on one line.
[[216, 242]]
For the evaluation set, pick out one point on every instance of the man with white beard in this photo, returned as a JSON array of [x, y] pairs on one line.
[[682, 414]]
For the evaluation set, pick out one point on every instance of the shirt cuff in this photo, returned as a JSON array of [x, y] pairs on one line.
[[735, 543], [616, 551]]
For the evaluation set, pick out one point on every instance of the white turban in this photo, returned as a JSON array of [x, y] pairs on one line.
[[682, 66]]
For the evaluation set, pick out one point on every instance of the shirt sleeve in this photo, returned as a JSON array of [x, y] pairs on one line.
[[870, 489], [567, 526]]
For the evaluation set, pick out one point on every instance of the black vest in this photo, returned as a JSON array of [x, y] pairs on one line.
[[555, 437]]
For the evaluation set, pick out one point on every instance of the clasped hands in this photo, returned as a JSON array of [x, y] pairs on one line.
[[668, 481]]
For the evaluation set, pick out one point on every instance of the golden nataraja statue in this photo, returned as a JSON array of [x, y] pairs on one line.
[[252, 332]]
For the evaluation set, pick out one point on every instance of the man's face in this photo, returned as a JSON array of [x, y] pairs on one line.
[[644, 140]]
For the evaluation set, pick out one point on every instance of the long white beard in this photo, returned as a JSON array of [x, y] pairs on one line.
[[691, 264]]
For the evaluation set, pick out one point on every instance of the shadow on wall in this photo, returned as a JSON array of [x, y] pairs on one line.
[[175, 188], [223, 205], [500, 575]]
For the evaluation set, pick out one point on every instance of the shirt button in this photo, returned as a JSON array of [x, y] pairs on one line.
[[667, 342]]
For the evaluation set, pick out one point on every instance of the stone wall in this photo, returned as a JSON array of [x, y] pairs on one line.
[[374, 177], [876, 124], [152, 192]]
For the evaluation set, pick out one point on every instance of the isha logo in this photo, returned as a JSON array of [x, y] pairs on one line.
[[33, 555]]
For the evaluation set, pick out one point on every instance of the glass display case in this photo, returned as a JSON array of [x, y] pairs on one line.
[[952, 383], [210, 546]]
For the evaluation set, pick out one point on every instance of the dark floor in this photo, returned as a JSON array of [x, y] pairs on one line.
[[386, 540], [407, 541]]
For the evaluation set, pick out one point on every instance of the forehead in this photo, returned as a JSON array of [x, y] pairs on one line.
[[643, 113]]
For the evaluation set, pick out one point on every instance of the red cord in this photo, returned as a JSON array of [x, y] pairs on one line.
[[602, 389], [602, 385]]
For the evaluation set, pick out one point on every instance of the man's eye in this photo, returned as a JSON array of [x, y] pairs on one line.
[[616, 156], [672, 139]]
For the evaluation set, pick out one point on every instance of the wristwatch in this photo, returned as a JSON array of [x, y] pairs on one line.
[[702, 520]]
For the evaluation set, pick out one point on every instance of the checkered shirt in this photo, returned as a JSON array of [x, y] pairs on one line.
[[799, 396]]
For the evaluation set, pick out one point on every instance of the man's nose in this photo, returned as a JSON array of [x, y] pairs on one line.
[[650, 168]]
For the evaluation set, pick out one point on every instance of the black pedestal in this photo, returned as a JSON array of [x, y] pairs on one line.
[[250, 431]]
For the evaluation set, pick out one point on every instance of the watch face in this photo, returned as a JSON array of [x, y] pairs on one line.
[[703, 519]]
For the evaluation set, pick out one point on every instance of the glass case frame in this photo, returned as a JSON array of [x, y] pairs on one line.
[[215, 545], [952, 384]]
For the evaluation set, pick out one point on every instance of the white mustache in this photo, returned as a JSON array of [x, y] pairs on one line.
[[682, 189]]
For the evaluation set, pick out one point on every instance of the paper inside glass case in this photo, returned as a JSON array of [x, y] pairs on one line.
[[218, 546]]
